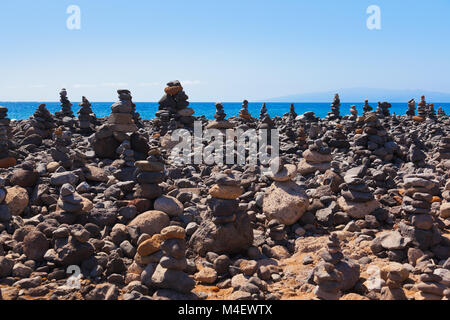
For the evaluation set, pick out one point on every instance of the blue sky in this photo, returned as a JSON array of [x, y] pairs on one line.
[[222, 51]]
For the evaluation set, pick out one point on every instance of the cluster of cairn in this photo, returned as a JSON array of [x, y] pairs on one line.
[[121, 119], [335, 111], [86, 117], [374, 141], [149, 174], [316, 158], [4, 132], [42, 122], [173, 109]]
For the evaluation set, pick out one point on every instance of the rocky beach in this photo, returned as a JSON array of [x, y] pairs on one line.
[[92, 208]]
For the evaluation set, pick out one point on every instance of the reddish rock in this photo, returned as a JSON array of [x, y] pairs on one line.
[[7, 162], [141, 205]]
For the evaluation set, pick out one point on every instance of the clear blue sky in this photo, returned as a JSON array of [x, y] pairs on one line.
[[222, 50]]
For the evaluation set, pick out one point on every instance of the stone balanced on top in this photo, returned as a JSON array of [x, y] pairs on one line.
[[244, 114], [220, 122], [316, 158], [65, 116], [335, 113], [367, 108], [86, 117], [422, 108], [121, 118]]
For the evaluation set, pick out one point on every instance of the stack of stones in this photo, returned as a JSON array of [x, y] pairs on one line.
[[4, 132], [244, 114], [444, 148], [422, 108], [292, 113], [301, 138], [357, 200], [224, 203], [169, 274], [353, 111], [149, 174], [69, 201], [61, 153], [336, 138], [367, 108], [411, 112], [42, 122], [374, 140], [220, 122], [432, 286], [326, 276], [431, 113], [126, 153], [86, 117], [335, 113], [383, 109], [263, 112], [440, 112], [276, 234], [121, 118], [65, 116], [316, 158], [394, 275], [173, 106]]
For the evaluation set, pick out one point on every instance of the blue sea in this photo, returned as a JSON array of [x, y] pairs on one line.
[[23, 110]]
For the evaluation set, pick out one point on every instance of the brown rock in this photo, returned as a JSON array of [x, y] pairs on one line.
[[226, 192], [16, 200], [151, 222], [150, 246]]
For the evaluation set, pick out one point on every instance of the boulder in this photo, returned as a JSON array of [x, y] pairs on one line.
[[24, 178], [17, 200], [169, 205], [150, 222], [35, 245], [358, 210]]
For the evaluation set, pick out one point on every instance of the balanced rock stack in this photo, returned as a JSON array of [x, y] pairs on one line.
[[432, 286], [65, 116], [353, 111], [440, 112], [263, 112], [174, 106], [284, 200], [169, 274], [357, 200], [244, 114], [61, 153], [328, 279], [121, 118], [4, 132], [276, 233], [86, 117], [69, 200], [444, 148], [126, 153], [422, 108], [411, 112], [292, 113], [394, 274], [225, 229], [220, 122], [431, 113], [42, 122], [335, 113], [367, 108], [383, 109], [316, 158], [149, 174]]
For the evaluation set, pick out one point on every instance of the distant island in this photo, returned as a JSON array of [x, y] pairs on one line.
[[360, 94]]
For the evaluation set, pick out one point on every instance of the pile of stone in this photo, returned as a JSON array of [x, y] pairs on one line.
[[66, 106], [335, 112], [292, 113], [244, 113], [301, 138], [394, 274], [263, 112], [173, 107], [353, 111], [383, 109], [422, 108], [336, 138], [4, 132], [432, 286], [220, 122], [225, 229], [169, 274], [275, 233], [284, 200], [5, 214], [149, 174], [440, 112], [443, 149], [357, 200], [367, 108], [70, 201], [326, 276], [316, 158], [374, 141], [86, 117], [61, 152], [121, 118], [42, 123], [431, 113], [411, 112], [126, 153]]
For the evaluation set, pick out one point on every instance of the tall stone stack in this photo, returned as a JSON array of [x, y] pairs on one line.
[[65, 116], [292, 113], [443, 149], [335, 108], [126, 153], [353, 111], [174, 106], [121, 118], [149, 174], [225, 228], [244, 113], [357, 200], [394, 274], [4, 132], [383, 109], [169, 274], [316, 158], [42, 123], [411, 112], [328, 279], [86, 118], [432, 286], [440, 112], [263, 112], [60, 152], [367, 108], [69, 200], [431, 113], [422, 108], [220, 122]]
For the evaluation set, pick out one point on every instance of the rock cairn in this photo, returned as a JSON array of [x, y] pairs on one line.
[[292, 113], [121, 118], [367, 108], [383, 109], [326, 276], [357, 200], [66, 105], [244, 113], [173, 106], [86, 117], [353, 111], [228, 200], [169, 274], [335, 106], [70, 201], [443, 148], [149, 174], [126, 153], [275, 233], [61, 152], [220, 122], [422, 108], [394, 274], [4, 132], [431, 113], [411, 112], [316, 158], [263, 112], [42, 122], [432, 286], [440, 112]]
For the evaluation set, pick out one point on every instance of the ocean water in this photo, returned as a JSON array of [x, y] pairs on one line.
[[23, 110]]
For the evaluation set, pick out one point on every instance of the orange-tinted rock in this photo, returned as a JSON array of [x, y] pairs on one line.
[[418, 119], [359, 131], [141, 205], [436, 199], [171, 91], [7, 162]]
